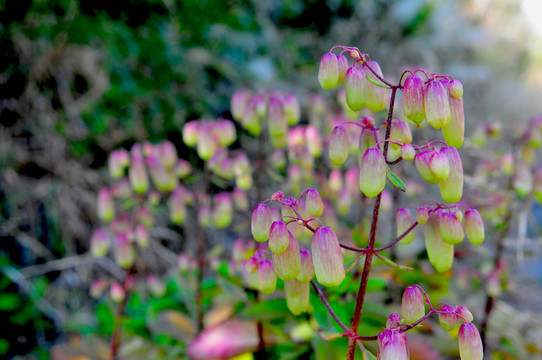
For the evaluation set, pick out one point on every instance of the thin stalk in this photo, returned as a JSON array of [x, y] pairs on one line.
[[372, 239], [115, 337]]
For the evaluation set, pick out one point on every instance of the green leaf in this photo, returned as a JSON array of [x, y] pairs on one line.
[[9, 302], [377, 82], [396, 180], [267, 310]]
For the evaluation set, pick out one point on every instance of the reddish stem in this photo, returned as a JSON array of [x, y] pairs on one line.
[[372, 239]]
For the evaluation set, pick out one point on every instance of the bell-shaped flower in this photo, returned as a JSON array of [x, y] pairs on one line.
[[437, 107], [451, 189], [339, 144], [412, 305], [261, 222], [372, 178], [297, 296], [288, 263], [327, 257], [470, 343], [474, 226], [413, 102], [404, 220], [451, 228], [328, 73], [440, 253], [355, 85]]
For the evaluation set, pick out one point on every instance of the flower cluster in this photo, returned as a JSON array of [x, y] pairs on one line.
[[285, 259]]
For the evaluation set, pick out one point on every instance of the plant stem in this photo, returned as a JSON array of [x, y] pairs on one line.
[[372, 239], [115, 337]]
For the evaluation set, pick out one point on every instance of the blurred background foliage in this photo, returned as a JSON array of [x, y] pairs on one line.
[[81, 78]]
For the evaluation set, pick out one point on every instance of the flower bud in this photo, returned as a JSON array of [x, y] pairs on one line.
[[307, 266], [278, 123], [456, 89], [393, 345], [394, 321], [507, 163], [239, 104], [343, 67], [106, 206], [366, 141], [138, 175], [437, 107], [404, 220], [288, 263], [118, 161], [251, 119], [355, 88], [474, 227], [176, 206], [448, 319], [377, 99], [407, 152], [267, 279], [251, 265], [328, 73], [439, 165], [117, 292], [156, 287], [372, 178], [124, 251], [470, 343], [190, 133], [291, 109], [313, 201], [451, 229], [205, 216], [223, 210], [240, 199], [336, 181], [207, 143], [99, 243], [464, 314], [351, 181], [523, 180], [261, 222], [413, 102], [167, 154], [225, 132], [454, 131], [422, 161], [412, 305], [313, 141], [97, 288], [182, 169], [451, 189], [440, 253], [338, 145], [386, 201], [327, 257], [142, 236], [279, 237], [422, 215], [400, 131], [297, 296], [161, 177]]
